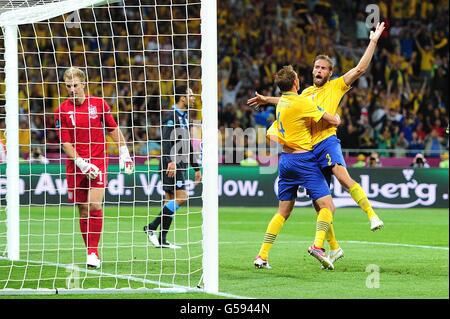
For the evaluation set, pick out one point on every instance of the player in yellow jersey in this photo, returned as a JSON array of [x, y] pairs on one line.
[[328, 94], [298, 165]]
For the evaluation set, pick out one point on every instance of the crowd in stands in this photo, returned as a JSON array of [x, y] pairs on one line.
[[398, 108]]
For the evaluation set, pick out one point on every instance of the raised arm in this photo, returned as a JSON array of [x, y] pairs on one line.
[[352, 75], [259, 99], [417, 41]]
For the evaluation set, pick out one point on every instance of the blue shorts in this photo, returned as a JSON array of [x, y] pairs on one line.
[[329, 153], [300, 169]]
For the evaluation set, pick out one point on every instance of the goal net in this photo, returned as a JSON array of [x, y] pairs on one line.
[[134, 54]]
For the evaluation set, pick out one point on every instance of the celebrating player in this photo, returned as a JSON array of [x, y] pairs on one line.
[[176, 157], [328, 94], [298, 165], [82, 120]]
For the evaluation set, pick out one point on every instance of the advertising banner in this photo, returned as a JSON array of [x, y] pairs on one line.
[[240, 186]]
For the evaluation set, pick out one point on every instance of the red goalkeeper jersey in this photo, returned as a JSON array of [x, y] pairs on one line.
[[84, 126]]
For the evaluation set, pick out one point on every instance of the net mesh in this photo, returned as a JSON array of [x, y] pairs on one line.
[[134, 53]]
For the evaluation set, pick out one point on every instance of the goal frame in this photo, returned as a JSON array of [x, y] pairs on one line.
[[9, 21]]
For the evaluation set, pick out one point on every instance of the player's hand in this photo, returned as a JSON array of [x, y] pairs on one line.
[[88, 169], [198, 177], [375, 35], [92, 171], [171, 167], [128, 165], [338, 118], [125, 161], [256, 101]]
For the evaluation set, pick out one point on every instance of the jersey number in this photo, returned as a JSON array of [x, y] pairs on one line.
[[328, 156], [72, 118], [280, 125]]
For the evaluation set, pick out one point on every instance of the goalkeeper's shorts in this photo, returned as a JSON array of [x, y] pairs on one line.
[[300, 169], [171, 184], [78, 184]]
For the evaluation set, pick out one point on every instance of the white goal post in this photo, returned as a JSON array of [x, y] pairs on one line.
[[144, 277]]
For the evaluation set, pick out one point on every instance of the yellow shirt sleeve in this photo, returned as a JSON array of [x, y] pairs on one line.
[[340, 85], [308, 108]]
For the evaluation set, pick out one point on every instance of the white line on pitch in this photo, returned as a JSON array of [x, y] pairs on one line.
[[130, 278], [341, 241]]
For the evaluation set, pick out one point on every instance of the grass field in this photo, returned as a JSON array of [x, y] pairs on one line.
[[410, 253]]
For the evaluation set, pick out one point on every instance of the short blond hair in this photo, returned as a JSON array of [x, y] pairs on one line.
[[74, 72], [285, 78]]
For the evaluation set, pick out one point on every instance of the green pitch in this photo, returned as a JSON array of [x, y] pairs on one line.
[[407, 259]]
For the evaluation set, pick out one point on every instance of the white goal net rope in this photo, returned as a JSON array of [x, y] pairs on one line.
[[134, 54]]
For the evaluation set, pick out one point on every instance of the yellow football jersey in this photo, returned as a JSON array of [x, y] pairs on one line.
[[293, 124], [327, 97]]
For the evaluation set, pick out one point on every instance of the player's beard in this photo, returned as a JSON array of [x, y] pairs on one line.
[[321, 81]]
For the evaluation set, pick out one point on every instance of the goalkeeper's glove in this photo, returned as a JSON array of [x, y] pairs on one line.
[[88, 169], [125, 160]]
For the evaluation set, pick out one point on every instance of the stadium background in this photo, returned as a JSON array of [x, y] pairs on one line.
[[398, 108], [389, 111]]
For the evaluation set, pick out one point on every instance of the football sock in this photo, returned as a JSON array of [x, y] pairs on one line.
[[168, 209], [324, 220], [360, 197], [166, 219], [95, 224], [273, 229], [331, 238], [83, 229]]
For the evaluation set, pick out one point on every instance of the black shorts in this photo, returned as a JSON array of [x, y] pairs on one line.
[[171, 184]]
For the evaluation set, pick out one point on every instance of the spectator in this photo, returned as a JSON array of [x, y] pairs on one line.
[[249, 160], [374, 160], [385, 142], [444, 160], [366, 140], [360, 161], [350, 137], [416, 145], [433, 146], [401, 146], [37, 157], [253, 43], [24, 139], [426, 57], [419, 161]]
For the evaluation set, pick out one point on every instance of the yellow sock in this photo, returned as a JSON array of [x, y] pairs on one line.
[[331, 238], [360, 197], [273, 229], [324, 220]]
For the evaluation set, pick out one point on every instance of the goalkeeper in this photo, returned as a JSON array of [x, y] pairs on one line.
[[81, 121], [176, 157]]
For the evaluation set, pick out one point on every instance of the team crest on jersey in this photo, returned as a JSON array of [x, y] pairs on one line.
[[92, 112]]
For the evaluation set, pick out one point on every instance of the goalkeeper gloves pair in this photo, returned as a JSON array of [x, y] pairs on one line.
[[92, 171]]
